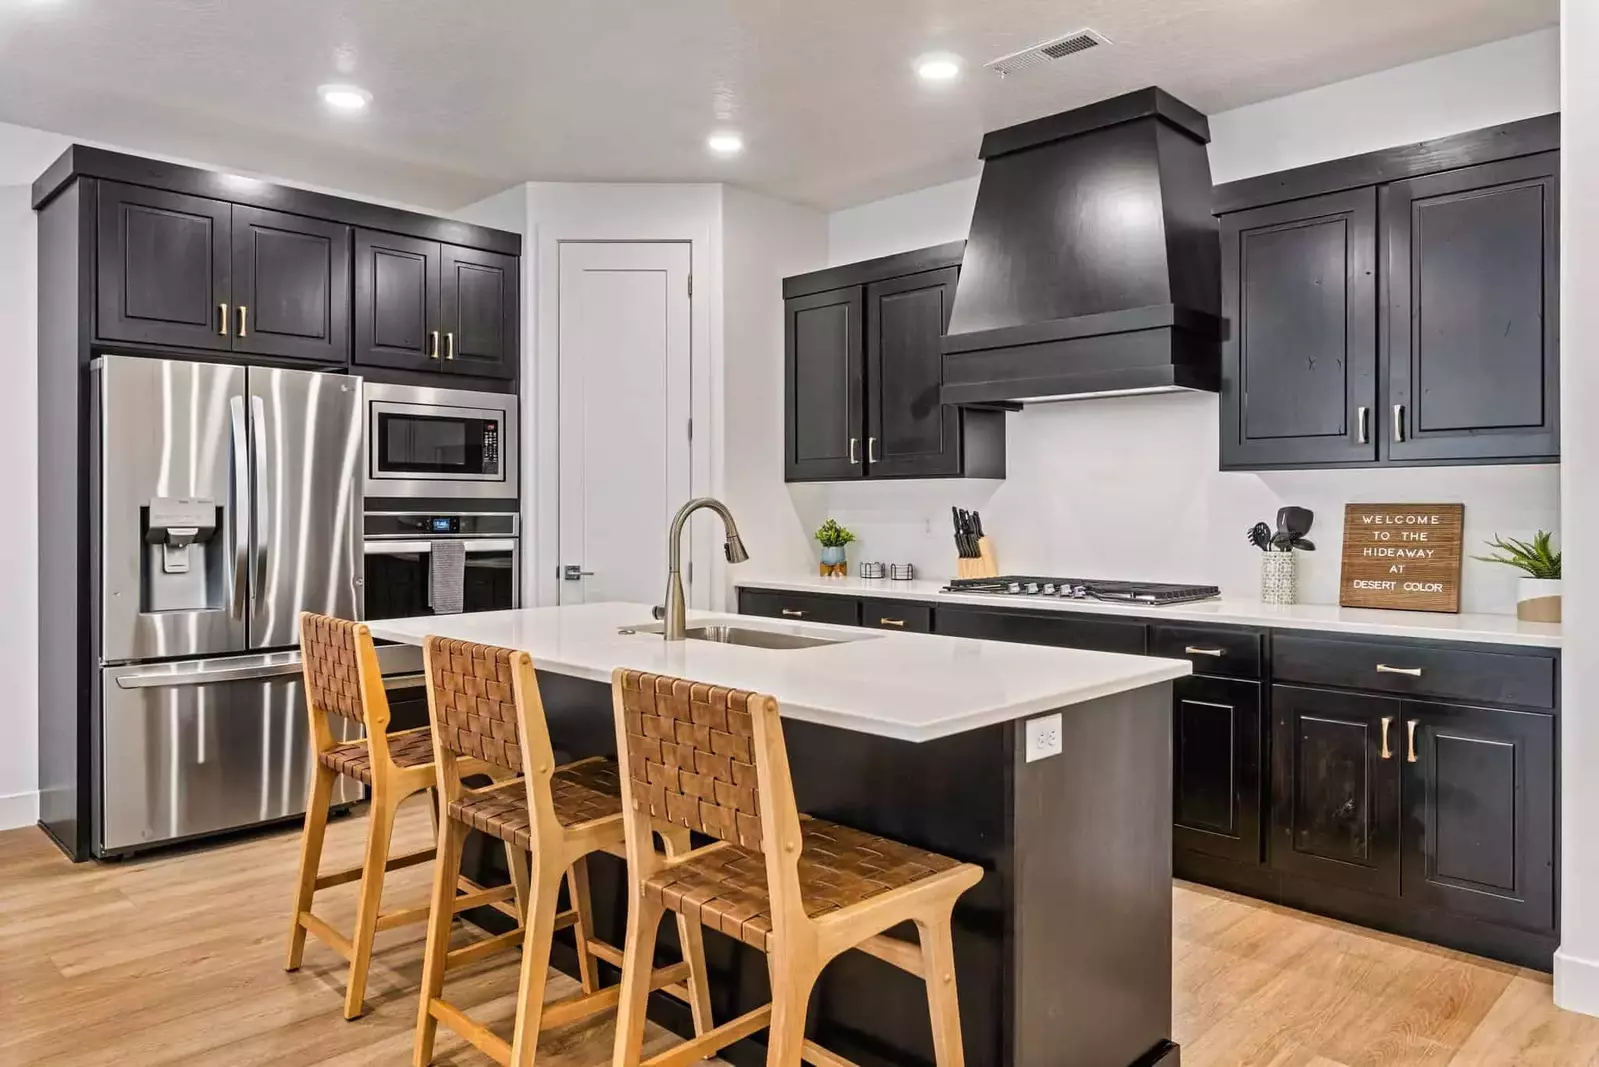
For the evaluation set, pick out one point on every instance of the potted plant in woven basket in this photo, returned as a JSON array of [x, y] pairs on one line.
[[833, 538], [1538, 594]]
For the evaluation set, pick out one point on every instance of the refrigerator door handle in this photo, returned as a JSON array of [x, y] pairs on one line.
[[239, 521], [176, 680], [259, 463]]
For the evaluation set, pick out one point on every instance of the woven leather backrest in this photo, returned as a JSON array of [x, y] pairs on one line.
[[691, 755], [474, 701], [331, 650]]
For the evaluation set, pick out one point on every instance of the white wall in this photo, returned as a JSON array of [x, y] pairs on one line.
[[1577, 962], [1129, 487]]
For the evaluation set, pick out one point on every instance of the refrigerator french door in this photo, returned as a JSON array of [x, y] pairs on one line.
[[227, 501]]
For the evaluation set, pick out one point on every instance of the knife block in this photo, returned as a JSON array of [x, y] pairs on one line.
[[985, 565]]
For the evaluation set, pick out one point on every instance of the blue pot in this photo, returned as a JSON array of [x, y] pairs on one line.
[[833, 555]]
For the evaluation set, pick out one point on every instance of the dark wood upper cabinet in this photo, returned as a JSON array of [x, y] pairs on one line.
[[164, 269], [397, 312], [1479, 822], [1216, 767], [291, 286], [908, 430], [478, 309], [1335, 787], [1473, 312], [826, 385], [1299, 366]]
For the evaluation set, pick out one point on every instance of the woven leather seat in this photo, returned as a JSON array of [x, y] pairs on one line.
[[582, 792], [412, 748], [725, 888]]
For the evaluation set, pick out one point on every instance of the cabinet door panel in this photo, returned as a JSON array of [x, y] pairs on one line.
[[909, 432], [396, 301], [1300, 360], [478, 302], [1478, 835], [164, 268], [1335, 795], [1216, 748], [291, 281], [1473, 310], [825, 386]]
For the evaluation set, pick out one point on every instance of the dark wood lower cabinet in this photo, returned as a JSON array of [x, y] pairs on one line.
[[1216, 761]]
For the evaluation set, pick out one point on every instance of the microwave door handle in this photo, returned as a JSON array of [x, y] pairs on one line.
[[239, 521], [258, 451]]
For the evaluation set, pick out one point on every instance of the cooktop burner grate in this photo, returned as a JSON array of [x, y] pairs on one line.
[[1155, 593]]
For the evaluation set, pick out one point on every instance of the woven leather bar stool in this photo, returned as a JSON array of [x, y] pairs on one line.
[[484, 702], [799, 889], [342, 678]]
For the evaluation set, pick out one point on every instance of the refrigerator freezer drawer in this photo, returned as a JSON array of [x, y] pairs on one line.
[[205, 746]]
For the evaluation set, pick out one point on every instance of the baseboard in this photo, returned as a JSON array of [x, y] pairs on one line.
[[1576, 983], [19, 809]]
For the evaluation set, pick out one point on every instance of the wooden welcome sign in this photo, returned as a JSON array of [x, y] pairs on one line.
[[1404, 556]]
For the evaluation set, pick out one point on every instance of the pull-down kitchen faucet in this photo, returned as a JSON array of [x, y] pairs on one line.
[[673, 613]]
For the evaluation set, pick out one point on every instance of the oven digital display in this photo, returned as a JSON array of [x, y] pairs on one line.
[[442, 525]]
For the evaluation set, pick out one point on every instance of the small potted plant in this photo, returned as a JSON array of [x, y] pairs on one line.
[[833, 538], [1538, 594]]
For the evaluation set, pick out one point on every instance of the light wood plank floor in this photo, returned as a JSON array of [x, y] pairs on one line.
[[177, 960]]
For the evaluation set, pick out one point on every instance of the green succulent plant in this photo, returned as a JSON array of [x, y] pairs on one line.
[[1537, 558], [832, 535]]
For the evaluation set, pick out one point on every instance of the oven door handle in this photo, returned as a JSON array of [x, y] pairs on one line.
[[409, 548]]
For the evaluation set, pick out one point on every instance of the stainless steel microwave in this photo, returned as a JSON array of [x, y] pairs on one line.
[[445, 443]]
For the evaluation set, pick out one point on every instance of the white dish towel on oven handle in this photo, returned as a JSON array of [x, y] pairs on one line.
[[447, 578]]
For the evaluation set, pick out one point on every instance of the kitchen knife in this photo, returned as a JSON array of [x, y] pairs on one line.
[[977, 524], [960, 539]]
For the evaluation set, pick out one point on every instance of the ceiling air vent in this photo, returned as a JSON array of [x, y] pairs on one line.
[[1048, 52]]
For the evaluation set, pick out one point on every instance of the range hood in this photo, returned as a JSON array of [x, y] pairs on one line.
[[1092, 268]]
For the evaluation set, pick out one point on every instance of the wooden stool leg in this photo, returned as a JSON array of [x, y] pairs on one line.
[[516, 861], [379, 832], [691, 936], [446, 870], [638, 965], [791, 997], [311, 838], [577, 888], [540, 926], [938, 965]]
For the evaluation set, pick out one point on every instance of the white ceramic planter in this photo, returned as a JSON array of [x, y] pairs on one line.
[[1278, 583], [1538, 600]]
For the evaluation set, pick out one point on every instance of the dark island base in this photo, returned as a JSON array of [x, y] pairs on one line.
[[1063, 951]]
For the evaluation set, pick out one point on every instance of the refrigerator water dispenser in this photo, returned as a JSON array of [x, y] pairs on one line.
[[183, 562]]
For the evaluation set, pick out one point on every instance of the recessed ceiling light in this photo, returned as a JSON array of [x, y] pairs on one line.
[[938, 67], [346, 98], [725, 143]]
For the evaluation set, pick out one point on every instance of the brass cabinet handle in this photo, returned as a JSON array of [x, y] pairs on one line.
[[854, 443], [871, 450], [223, 316], [449, 345], [244, 321], [1362, 414], [793, 613], [1387, 721], [1410, 743], [1413, 672], [891, 622], [434, 354], [1399, 422], [1216, 652]]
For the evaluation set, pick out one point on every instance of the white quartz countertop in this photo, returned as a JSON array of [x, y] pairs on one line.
[[1486, 629], [914, 687]]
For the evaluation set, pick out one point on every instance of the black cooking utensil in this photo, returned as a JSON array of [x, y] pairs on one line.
[[1295, 521], [1282, 541], [1260, 536], [1303, 545]]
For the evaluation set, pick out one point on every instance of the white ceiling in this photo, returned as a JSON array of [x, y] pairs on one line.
[[474, 95]]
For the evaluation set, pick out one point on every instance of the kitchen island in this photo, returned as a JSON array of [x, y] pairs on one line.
[[1063, 951]]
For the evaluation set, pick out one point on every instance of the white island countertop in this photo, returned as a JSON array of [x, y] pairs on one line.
[[914, 687], [1427, 625]]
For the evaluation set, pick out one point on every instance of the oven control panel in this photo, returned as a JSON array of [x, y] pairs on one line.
[[420, 524]]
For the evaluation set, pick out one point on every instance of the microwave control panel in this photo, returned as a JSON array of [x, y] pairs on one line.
[[491, 447]]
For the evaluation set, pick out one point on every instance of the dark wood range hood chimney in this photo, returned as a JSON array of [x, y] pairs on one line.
[[1092, 268]]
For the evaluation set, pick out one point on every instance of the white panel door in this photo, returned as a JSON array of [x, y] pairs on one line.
[[625, 466]]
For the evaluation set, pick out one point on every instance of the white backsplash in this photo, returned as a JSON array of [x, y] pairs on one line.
[[1129, 488]]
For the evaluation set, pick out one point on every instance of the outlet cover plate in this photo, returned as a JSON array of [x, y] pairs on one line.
[[1043, 737]]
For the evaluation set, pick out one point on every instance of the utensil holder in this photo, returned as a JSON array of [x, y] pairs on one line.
[[901, 572], [871, 570], [983, 565], [1278, 578]]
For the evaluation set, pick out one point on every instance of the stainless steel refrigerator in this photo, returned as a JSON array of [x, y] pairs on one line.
[[225, 501]]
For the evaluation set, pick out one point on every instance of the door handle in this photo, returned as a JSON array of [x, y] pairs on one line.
[[225, 321], [240, 524], [1362, 415], [871, 450], [449, 345], [244, 673], [434, 337], [1399, 422], [1218, 653], [574, 572], [793, 613], [891, 622], [1410, 740], [1412, 672], [244, 321], [1387, 753], [259, 509], [854, 445]]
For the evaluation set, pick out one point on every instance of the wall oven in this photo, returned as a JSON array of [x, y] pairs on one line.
[[398, 561], [440, 443]]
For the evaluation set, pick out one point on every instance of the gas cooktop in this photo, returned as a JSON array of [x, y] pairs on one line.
[[1154, 593]]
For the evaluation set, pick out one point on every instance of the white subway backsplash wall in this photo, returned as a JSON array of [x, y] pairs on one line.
[[1129, 488]]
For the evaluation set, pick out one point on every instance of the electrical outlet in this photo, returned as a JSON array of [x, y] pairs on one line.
[[1043, 737]]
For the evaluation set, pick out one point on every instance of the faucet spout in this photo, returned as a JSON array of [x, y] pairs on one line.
[[675, 612]]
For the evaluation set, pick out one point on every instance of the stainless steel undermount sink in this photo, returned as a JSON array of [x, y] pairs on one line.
[[748, 636]]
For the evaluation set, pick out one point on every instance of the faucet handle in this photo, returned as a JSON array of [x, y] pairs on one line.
[[658, 612]]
